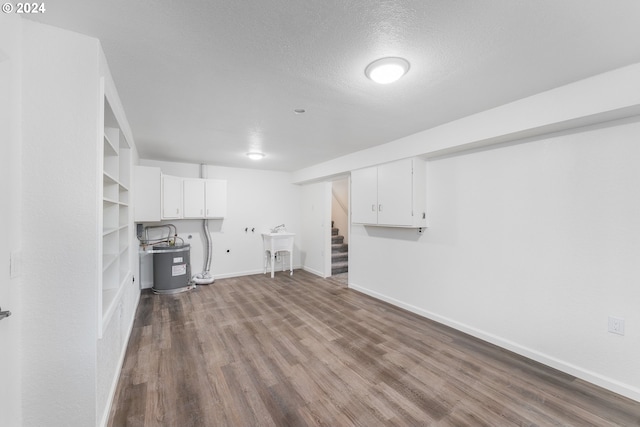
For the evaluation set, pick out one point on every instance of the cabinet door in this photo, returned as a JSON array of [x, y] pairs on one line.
[[193, 198], [215, 198], [395, 190], [364, 199], [171, 197]]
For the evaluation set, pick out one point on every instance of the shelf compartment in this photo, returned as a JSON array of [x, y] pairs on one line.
[[112, 141], [107, 260], [124, 215], [110, 275]]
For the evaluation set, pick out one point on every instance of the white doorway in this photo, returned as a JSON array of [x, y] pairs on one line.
[[340, 229]]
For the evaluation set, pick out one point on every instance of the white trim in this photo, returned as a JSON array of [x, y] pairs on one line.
[[248, 273], [312, 271]]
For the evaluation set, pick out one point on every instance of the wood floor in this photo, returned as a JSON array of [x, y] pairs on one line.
[[302, 351]]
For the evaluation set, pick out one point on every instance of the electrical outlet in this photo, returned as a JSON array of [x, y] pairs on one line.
[[616, 325]]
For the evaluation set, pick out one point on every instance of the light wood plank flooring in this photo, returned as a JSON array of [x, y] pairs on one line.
[[302, 351]]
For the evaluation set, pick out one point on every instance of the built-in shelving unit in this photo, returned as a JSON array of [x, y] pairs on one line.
[[116, 229]]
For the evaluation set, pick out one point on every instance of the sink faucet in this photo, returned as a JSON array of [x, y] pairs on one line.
[[277, 228]]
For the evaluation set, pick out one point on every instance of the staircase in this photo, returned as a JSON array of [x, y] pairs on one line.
[[339, 254]]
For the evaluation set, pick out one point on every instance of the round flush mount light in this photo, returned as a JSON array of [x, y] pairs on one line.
[[255, 155], [387, 70]]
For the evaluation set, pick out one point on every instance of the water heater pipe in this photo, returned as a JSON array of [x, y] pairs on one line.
[[205, 278]]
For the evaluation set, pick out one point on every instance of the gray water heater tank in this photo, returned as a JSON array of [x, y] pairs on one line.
[[171, 269]]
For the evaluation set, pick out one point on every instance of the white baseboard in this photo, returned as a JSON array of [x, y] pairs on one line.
[[312, 271], [615, 386], [249, 272], [237, 274]]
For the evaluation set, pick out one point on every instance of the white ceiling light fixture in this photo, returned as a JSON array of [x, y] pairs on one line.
[[387, 70], [255, 155]]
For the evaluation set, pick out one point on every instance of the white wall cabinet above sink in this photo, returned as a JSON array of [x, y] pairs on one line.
[[390, 195]]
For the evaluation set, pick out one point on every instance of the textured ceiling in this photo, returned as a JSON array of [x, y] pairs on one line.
[[207, 81]]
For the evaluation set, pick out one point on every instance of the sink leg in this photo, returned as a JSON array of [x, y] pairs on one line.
[[273, 255]]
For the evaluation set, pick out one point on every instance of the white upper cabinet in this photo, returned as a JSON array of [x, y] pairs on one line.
[[171, 197], [392, 194], [193, 197], [364, 196], [215, 198], [159, 197], [205, 198]]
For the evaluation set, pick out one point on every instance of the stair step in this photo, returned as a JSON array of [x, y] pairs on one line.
[[337, 239], [334, 231], [339, 256], [339, 247], [339, 267]]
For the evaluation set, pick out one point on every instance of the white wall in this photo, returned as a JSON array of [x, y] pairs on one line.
[[60, 210], [256, 199], [10, 218], [530, 246], [315, 208]]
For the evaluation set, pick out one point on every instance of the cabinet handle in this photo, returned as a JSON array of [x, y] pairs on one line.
[[200, 211], [178, 210], [373, 208], [380, 208]]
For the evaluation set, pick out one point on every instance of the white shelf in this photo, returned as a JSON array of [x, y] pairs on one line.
[[107, 231], [108, 179], [111, 141], [110, 201]]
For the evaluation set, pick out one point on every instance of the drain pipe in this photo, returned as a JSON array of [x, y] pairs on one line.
[[205, 278]]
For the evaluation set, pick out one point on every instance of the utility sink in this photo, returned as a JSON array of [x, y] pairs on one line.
[[281, 241]]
